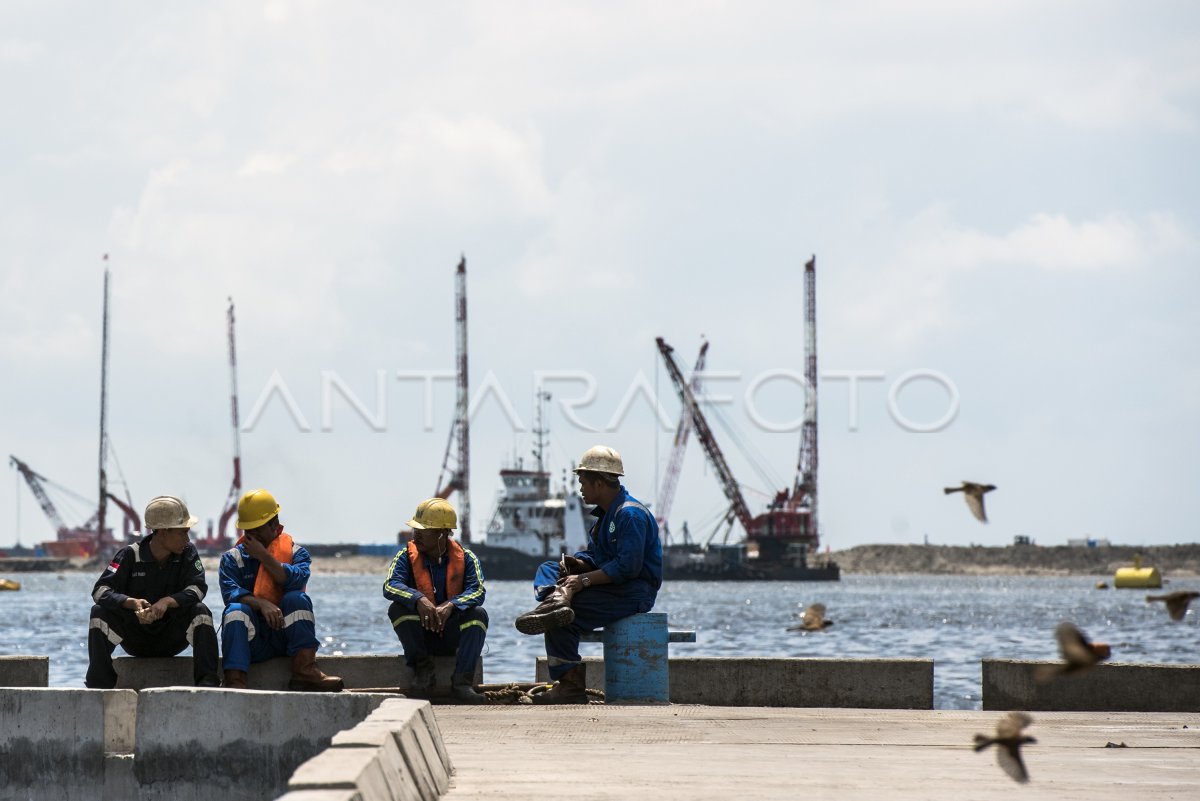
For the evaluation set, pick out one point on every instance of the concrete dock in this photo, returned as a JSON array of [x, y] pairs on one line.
[[701, 752]]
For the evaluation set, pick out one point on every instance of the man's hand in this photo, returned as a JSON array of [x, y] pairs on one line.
[[254, 548], [571, 584], [442, 614], [428, 614], [271, 613], [136, 604], [572, 566]]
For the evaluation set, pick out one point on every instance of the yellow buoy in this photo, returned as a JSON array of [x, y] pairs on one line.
[[7, 584], [1137, 578]]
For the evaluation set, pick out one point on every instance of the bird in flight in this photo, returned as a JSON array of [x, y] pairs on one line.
[[1078, 653], [1177, 602], [973, 494], [813, 619], [1008, 742]]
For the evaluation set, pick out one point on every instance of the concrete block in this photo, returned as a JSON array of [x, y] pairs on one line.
[[24, 671], [52, 743], [119, 780], [120, 721], [399, 726], [359, 672], [1108, 687], [792, 682], [435, 733], [389, 730], [199, 744], [357, 769]]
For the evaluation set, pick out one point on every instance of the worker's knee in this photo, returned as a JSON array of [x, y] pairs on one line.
[[295, 601]]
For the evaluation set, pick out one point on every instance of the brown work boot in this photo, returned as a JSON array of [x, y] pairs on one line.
[[570, 689], [237, 680], [551, 613], [306, 676]]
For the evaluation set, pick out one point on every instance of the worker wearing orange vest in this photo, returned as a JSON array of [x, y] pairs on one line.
[[436, 589]]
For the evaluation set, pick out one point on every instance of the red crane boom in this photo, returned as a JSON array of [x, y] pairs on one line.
[[666, 496], [737, 504]]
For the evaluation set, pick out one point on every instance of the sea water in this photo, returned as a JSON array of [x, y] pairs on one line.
[[955, 620]]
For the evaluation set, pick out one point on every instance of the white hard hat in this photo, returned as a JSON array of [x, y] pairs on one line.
[[601, 459], [167, 511]]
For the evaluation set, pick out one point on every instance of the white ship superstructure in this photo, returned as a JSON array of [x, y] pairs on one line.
[[533, 520]]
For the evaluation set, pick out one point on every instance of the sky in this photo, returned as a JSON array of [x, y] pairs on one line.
[[1001, 198]]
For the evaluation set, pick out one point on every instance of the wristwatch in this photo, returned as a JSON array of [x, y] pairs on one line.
[[587, 582]]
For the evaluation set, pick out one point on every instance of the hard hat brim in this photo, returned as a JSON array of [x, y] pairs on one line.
[[422, 527], [247, 525], [579, 470]]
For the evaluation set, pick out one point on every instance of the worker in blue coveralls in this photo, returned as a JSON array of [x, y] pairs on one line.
[[618, 575], [267, 611], [436, 589], [150, 600]]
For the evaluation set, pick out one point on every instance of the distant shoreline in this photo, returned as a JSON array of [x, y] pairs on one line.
[[1180, 561], [1016, 560]]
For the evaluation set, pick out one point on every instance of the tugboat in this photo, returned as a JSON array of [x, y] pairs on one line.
[[531, 522]]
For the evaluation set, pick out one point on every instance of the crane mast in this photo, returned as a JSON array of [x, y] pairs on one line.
[[102, 509], [235, 488], [804, 491], [666, 496], [460, 478], [737, 504]]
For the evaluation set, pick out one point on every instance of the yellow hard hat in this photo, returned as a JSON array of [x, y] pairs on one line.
[[167, 511], [601, 459], [434, 513], [255, 508]]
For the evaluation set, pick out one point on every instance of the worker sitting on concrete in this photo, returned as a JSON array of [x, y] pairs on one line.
[[436, 589], [267, 612], [616, 576], [149, 600]]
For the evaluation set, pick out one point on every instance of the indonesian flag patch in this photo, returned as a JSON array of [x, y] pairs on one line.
[[114, 566]]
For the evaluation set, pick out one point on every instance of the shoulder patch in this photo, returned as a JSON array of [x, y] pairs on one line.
[[199, 565]]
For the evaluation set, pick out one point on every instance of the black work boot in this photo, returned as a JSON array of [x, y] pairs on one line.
[[570, 689], [551, 613], [423, 678], [463, 691]]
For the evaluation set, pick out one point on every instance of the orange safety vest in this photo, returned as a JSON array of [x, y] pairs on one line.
[[265, 586], [455, 571]]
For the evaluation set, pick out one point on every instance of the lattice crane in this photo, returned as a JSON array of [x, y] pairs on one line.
[[666, 495], [737, 504], [458, 478], [235, 488]]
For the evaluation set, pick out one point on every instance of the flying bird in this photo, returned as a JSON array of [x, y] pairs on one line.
[[813, 619], [973, 494], [1078, 653], [1008, 742], [1177, 602]]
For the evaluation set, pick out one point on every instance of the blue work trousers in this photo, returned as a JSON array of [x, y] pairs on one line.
[[246, 637], [463, 635], [594, 608]]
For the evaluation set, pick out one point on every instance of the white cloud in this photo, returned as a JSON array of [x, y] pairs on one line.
[[265, 164], [20, 52], [915, 295]]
